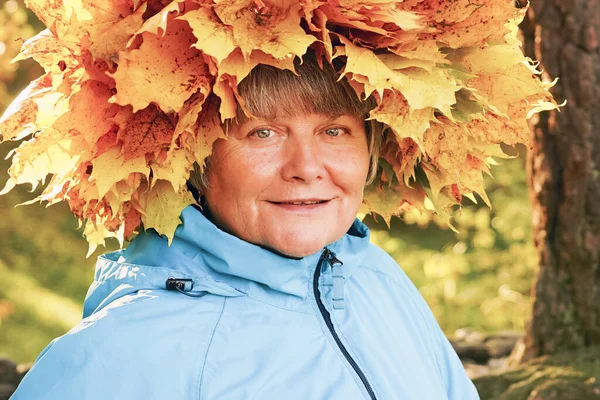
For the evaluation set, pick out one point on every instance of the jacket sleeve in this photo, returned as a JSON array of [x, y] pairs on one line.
[[458, 385], [64, 370], [147, 345]]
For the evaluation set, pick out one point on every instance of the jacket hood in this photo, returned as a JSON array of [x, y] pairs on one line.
[[217, 263]]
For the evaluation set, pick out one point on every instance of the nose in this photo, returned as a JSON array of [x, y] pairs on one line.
[[304, 160]]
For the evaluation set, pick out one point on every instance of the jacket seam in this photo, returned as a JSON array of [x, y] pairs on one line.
[[436, 344], [201, 376], [279, 307]]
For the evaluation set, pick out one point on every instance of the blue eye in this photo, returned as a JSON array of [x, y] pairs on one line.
[[262, 133], [334, 131]]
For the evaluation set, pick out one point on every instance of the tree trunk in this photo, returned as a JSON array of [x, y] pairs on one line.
[[564, 179]]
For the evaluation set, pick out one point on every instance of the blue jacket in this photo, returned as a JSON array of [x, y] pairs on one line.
[[342, 324]]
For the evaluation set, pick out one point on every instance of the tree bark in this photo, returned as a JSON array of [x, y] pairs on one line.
[[564, 179]]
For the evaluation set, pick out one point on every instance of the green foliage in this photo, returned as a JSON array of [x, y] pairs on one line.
[[43, 271], [16, 22]]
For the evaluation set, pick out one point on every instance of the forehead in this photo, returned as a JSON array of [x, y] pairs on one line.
[[313, 120]]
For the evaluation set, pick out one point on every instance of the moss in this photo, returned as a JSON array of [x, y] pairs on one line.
[[572, 375]]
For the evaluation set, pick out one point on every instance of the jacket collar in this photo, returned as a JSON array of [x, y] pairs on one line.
[[214, 257]]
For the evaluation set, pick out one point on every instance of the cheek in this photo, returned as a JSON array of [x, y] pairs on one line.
[[351, 170], [235, 174]]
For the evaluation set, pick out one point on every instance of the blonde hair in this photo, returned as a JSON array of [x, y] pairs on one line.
[[269, 92]]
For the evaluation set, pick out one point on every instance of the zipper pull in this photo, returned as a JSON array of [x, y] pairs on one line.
[[337, 273]]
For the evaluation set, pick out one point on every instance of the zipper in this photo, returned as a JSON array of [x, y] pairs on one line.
[[328, 256]]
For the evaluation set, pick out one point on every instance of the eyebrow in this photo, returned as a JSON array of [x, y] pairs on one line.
[[282, 123], [283, 119]]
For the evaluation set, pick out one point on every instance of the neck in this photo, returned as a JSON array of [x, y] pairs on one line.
[[202, 206]]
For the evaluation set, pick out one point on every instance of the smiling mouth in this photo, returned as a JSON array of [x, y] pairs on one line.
[[300, 203]]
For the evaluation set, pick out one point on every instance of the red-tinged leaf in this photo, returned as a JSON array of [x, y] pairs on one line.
[[132, 220], [148, 131], [89, 112]]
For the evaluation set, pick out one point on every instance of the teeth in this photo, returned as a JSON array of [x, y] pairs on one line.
[[304, 203]]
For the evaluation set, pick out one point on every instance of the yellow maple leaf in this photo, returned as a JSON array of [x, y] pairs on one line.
[[123, 191], [208, 130], [175, 169], [157, 24], [394, 111], [501, 89], [47, 51], [19, 118], [141, 80], [40, 156], [111, 167], [397, 62], [390, 13], [96, 233], [235, 68], [447, 146], [459, 23], [351, 18], [188, 116], [108, 43], [425, 52], [422, 89], [402, 155], [163, 206], [275, 31], [486, 59], [471, 181], [73, 20], [214, 38], [389, 201], [362, 62], [321, 20]]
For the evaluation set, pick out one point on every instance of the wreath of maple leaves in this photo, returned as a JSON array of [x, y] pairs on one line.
[[135, 92]]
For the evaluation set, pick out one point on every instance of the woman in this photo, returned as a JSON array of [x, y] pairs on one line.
[[271, 290]]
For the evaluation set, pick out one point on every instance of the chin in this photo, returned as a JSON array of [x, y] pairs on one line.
[[298, 246]]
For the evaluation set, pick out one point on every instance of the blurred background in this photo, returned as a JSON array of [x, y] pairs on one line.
[[479, 278]]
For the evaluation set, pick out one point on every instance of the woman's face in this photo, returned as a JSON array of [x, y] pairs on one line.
[[292, 185]]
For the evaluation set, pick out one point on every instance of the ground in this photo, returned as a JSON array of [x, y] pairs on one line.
[[573, 375]]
